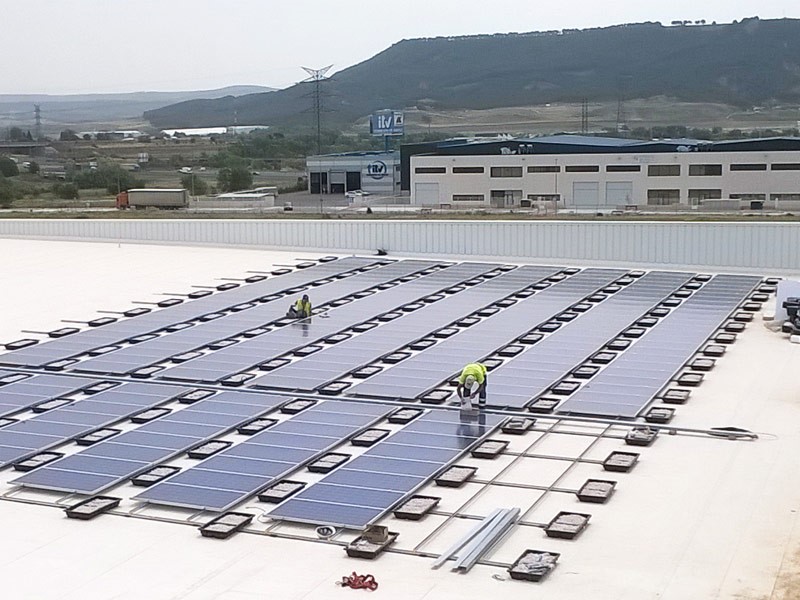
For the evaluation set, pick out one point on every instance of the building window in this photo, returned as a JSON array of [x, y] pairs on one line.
[[696, 196], [506, 172], [664, 170], [430, 170], [582, 169], [545, 169], [749, 167], [663, 197], [785, 197], [464, 170], [749, 197], [705, 170], [623, 168], [786, 167], [468, 198], [505, 198]]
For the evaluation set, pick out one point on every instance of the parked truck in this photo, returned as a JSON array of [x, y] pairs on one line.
[[153, 198]]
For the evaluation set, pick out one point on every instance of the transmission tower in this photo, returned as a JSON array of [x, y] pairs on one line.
[[585, 116], [317, 76], [37, 113]]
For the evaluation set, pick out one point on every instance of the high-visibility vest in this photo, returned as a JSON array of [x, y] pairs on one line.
[[477, 370], [304, 308]]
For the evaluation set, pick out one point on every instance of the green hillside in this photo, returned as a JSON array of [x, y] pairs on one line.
[[746, 63]]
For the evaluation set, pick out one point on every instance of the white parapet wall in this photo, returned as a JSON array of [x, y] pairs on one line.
[[752, 247]]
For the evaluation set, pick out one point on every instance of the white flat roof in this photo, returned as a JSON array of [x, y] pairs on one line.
[[697, 518]]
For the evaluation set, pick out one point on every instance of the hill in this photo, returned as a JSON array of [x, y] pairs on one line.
[[750, 62], [75, 110]]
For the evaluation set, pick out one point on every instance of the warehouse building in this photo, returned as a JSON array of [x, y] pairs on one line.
[[373, 172], [594, 174]]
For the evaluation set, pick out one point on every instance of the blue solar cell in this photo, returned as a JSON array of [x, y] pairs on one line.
[[9, 454], [120, 449], [389, 450], [96, 464], [322, 513], [393, 466], [197, 431], [155, 440], [378, 481], [218, 480], [23, 440], [287, 440], [293, 455], [331, 418], [202, 418], [248, 466], [457, 428], [184, 495], [322, 429], [345, 495], [65, 430], [433, 441], [65, 480]]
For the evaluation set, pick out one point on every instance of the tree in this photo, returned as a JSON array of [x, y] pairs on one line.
[[66, 191], [234, 179], [33, 167], [195, 185], [8, 167], [6, 193], [68, 135]]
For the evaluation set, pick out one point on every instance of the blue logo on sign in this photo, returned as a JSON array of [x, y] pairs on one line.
[[377, 169]]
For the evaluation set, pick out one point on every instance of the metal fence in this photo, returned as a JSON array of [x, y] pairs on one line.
[[752, 247]]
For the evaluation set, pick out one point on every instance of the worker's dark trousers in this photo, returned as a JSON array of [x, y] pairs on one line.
[[482, 392]]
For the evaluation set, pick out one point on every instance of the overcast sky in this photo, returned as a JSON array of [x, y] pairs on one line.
[[81, 46]]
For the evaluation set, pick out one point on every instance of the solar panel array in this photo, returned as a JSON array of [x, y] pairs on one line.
[[249, 353], [34, 389], [375, 308], [364, 489], [633, 379], [110, 462], [54, 427], [237, 473], [411, 378], [338, 360], [125, 329], [528, 375], [225, 326]]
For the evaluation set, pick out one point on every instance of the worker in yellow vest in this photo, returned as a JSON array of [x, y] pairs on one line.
[[301, 309], [472, 382]]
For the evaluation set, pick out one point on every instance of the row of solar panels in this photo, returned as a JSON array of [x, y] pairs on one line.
[[356, 495]]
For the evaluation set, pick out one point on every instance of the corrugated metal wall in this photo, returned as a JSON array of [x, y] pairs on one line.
[[754, 247]]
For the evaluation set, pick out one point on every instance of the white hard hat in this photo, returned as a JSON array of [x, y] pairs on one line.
[[470, 382]]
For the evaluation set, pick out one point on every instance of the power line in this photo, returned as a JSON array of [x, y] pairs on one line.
[[317, 76]]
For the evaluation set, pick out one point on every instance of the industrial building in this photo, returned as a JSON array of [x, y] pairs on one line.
[[373, 172], [601, 174]]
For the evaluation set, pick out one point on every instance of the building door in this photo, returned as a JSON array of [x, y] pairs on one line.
[[426, 194], [353, 180], [586, 194], [318, 182], [619, 193]]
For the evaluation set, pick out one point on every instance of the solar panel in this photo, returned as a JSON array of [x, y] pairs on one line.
[[41, 432], [528, 375], [338, 360], [226, 326], [368, 486], [28, 392], [240, 471], [121, 330], [136, 451], [246, 354], [414, 376], [632, 380]]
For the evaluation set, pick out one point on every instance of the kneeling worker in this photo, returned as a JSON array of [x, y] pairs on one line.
[[472, 382], [301, 309]]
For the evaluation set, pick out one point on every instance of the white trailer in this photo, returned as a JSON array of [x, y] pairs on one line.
[[153, 198]]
